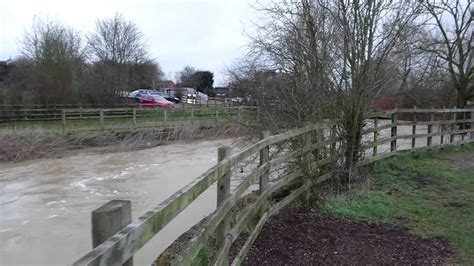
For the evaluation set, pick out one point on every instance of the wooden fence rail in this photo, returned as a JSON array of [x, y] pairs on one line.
[[14, 113], [312, 153], [73, 119]]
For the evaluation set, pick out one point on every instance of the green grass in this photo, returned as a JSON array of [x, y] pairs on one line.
[[422, 189]]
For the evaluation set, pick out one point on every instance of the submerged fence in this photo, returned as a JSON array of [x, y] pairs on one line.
[[281, 168]]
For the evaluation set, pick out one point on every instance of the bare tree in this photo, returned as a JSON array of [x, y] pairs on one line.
[[369, 32], [117, 41], [18, 82], [58, 56], [452, 42], [146, 74], [120, 60], [328, 58], [185, 75], [292, 50]]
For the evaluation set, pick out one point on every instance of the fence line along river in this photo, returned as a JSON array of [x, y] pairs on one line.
[[45, 205]]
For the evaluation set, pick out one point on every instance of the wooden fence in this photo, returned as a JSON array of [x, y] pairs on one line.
[[314, 161], [17, 113], [73, 119]]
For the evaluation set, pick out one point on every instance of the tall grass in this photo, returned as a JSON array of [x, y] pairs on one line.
[[33, 143]]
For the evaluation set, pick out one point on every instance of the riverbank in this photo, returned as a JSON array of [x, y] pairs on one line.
[[51, 200], [413, 209], [36, 143]]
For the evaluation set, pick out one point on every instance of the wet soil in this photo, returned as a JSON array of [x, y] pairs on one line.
[[298, 236]]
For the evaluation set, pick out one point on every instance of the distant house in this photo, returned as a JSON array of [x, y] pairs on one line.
[[222, 92], [384, 103], [191, 95], [166, 84], [175, 91]]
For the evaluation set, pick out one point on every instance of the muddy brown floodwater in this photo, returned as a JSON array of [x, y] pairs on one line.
[[45, 205]]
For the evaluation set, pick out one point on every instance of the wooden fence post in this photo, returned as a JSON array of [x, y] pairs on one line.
[[239, 110], [134, 117], [441, 127], [109, 219], [192, 114], [376, 133], [334, 143], [413, 130], [464, 127], [429, 139], [217, 115], [453, 128], [258, 110], [264, 157], [101, 119], [165, 116], [393, 143], [63, 119], [223, 192], [307, 152], [472, 125]]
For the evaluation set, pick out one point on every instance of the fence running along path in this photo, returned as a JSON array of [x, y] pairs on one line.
[[454, 127]]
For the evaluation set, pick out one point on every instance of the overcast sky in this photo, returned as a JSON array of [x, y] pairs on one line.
[[205, 34]]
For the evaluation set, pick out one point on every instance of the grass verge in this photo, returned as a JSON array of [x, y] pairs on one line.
[[432, 193]]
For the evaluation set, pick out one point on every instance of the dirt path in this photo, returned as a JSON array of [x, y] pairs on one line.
[[462, 160], [300, 237]]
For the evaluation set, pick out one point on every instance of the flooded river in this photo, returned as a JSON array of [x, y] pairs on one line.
[[45, 205]]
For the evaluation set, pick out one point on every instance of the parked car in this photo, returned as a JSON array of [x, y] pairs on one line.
[[150, 98], [155, 100], [168, 97]]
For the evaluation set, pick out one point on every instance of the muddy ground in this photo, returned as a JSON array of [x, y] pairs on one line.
[[298, 236]]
